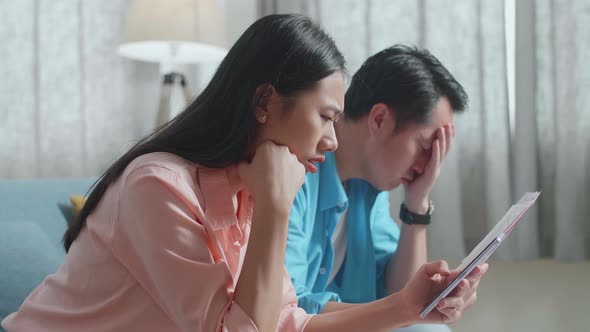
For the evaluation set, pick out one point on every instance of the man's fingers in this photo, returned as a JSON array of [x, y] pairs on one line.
[[450, 315], [479, 270], [471, 300], [449, 136], [475, 276], [435, 158], [442, 138], [451, 302], [438, 267], [462, 290]]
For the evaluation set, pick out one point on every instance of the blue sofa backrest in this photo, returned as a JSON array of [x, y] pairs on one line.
[[31, 227]]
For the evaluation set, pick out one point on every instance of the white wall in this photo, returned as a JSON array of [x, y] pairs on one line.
[[239, 14]]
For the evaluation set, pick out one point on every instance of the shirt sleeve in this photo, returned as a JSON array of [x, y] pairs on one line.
[[160, 242], [292, 318], [385, 239], [296, 259]]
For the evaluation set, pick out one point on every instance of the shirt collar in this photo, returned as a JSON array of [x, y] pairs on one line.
[[331, 192]]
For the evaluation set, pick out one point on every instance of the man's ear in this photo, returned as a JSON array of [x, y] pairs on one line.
[[262, 98], [381, 120]]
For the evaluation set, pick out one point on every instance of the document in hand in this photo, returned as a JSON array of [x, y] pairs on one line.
[[486, 247]]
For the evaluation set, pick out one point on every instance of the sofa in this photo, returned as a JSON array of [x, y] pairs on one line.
[[33, 217]]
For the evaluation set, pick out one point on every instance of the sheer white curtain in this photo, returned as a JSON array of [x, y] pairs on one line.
[[69, 104], [499, 152], [562, 113]]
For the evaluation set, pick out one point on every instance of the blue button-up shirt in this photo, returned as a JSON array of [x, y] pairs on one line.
[[372, 239]]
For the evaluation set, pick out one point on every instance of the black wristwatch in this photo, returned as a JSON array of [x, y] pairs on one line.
[[412, 218]]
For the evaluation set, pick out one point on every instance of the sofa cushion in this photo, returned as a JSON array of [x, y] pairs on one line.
[[40, 201], [27, 256]]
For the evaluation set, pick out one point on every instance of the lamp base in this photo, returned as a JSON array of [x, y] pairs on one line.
[[170, 82]]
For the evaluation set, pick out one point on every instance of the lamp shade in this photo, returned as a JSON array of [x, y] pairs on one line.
[[174, 31]]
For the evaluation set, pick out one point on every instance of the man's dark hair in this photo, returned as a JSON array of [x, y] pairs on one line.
[[408, 80]]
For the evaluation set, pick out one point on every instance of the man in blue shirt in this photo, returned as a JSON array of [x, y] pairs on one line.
[[343, 247]]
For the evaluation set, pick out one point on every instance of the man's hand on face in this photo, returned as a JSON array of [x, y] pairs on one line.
[[418, 191]]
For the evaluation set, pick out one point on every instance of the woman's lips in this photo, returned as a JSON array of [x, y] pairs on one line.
[[311, 164]]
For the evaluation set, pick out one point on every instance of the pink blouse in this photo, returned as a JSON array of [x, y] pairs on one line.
[[161, 252]]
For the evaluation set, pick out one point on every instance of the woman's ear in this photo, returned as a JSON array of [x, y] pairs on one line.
[[381, 120], [262, 98]]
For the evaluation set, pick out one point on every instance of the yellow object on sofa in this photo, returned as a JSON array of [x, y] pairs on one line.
[[78, 202]]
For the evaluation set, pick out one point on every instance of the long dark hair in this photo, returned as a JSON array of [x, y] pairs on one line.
[[289, 52]]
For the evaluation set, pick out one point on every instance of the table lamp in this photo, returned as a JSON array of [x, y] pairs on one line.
[[174, 33]]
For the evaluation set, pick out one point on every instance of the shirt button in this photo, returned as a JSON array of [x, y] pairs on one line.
[[322, 271], [341, 205], [327, 233]]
